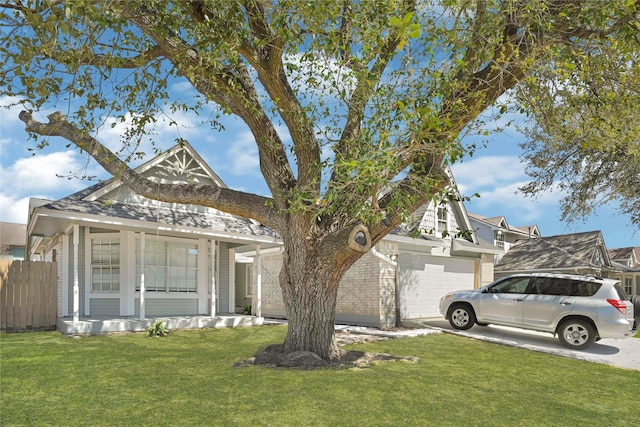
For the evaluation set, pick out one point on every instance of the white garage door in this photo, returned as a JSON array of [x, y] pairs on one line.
[[424, 279]]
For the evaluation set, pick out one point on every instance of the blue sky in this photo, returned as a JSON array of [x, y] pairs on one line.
[[495, 172]]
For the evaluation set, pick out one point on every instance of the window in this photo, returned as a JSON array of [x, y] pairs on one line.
[[168, 266], [249, 284], [442, 225], [628, 285], [514, 285], [563, 287], [499, 239], [105, 264]]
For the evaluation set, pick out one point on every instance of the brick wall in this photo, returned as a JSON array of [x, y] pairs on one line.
[[366, 294]]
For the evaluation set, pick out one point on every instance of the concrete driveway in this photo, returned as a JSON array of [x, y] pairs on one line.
[[623, 353]]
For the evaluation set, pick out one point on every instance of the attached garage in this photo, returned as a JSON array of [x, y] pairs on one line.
[[424, 279]]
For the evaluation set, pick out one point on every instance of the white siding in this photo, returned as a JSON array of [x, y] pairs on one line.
[[168, 307], [105, 306]]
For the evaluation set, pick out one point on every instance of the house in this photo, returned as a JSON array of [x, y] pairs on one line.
[[577, 253], [12, 240], [125, 260], [497, 230], [627, 262], [405, 275]]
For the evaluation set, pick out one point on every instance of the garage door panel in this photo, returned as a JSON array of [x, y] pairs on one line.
[[424, 279]]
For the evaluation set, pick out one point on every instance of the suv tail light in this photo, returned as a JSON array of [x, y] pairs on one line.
[[619, 304]]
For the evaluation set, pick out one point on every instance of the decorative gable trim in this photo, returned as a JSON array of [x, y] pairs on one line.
[[175, 150]]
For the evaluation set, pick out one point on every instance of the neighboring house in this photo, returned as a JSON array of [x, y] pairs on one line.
[[12, 240], [499, 232], [202, 266], [578, 253], [627, 261], [105, 237], [403, 277]]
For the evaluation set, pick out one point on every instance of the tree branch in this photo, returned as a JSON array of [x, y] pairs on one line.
[[227, 200], [267, 60], [362, 93], [231, 87], [98, 60]]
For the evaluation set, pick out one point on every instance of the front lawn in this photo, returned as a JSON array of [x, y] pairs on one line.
[[188, 378]]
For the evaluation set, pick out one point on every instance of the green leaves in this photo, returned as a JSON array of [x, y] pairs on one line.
[[405, 28], [367, 92]]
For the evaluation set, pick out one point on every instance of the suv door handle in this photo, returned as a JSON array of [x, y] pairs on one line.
[[565, 303], [518, 300]]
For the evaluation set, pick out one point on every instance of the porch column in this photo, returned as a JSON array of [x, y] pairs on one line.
[[232, 282], [142, 290], [64, 307], [258, 282], [76, 274], [213, 279]]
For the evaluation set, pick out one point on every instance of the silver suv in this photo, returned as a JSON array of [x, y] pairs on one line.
[[579, 309]]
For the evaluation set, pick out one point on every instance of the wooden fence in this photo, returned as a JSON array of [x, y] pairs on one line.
[[28, 299]]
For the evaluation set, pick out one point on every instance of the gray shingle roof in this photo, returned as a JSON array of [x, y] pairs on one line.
[[554, 252], [161, 215]]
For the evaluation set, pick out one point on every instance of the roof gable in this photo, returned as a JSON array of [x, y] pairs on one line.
[[113, 202], [630, 256], [423, 219], [180, 164], [500, 222]]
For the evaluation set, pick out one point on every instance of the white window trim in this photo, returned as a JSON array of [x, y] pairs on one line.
[[166, 293], [89, 294], [447, 220]]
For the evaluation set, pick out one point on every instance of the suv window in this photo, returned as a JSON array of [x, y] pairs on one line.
[[622, 294], [564, 287], [579, 288], [549, 286], [513, 285]]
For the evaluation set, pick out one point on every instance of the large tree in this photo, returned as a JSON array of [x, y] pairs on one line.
[[375, 96]]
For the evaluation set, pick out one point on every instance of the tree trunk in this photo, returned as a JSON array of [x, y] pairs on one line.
[[309, 283]]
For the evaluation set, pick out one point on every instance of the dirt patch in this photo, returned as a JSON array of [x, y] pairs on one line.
[[274, 357]]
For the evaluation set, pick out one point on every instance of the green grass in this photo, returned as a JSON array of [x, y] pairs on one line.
[[187, 379]]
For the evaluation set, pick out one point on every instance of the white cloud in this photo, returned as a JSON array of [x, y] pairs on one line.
[[9, 111], [243, 155], [40, 173], [14, 210], [497, 179], [481, 172]]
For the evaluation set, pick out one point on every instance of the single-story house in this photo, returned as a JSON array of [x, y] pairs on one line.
[[125, 260], [627, 262]]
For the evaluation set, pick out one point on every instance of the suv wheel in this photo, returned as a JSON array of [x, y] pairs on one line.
[[461, 316], [576, 334]]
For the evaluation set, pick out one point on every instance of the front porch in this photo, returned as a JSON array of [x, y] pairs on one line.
[[96, 325]]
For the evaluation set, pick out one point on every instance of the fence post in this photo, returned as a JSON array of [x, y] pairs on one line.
[[4, 293]]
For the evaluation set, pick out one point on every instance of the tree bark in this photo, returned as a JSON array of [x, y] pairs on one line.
[[310, 296], [311, 272]]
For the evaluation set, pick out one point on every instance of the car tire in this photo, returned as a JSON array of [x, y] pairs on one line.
[[576, 334], [461, 316]]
